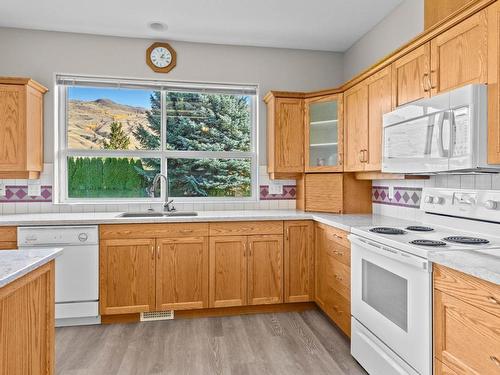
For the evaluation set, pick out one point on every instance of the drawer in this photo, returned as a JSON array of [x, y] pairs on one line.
[[340, 253], [245, 228], [466, 338], [337, 235], [338, 277], [339, 310], [477, 292], [8, 245], [121, 231], [8, 234]]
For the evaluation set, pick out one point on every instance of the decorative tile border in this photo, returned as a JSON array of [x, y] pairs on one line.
[[403, 196], [289, 193], [19, 193]]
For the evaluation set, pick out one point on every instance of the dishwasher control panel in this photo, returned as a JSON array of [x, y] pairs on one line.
[[57, 235]]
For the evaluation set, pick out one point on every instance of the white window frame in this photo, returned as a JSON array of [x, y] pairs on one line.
[[61, 151]]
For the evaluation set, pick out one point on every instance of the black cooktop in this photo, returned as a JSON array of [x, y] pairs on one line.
[[466, 240], [431, 243], [387, 230], [419, 228]]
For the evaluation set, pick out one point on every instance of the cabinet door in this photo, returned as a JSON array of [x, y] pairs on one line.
[[324, 134], [288, 136], [265, 269], [466, 338], [228, 271], [410, 76], [299, 261], [493, 82], [12, 128], [379, 103], [459, 55], [182, 273], [356, 127], [127, 273]]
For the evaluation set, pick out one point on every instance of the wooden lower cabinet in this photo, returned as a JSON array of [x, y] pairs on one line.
[[265, 269], [228, 271], [333, 275], [182, 273], [466, 335], [127, 276], [27, 324], [299, 261]]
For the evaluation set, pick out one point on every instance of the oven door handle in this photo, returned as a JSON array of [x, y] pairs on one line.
[[391, 253]]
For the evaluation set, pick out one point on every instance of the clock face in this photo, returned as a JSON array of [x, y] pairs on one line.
[[161, 57]]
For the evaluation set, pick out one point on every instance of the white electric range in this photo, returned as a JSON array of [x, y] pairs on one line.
[[391, 278]]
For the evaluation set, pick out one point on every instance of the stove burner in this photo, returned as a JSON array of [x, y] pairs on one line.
[[387, 230], [466, 240], [419, 228], [428, 243]]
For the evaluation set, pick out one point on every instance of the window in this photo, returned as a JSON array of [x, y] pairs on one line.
[[116, 135]]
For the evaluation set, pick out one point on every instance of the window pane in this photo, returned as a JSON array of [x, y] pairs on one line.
[[208, 122], [209, 177], [113, 118], [96, 177]]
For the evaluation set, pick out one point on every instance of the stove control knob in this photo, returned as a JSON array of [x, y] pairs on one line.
[[429, 199], [437, 200], [491, 205]]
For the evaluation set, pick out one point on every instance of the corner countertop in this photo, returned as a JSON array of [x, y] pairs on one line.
[[483, 264], [343, 222], [15, 264]]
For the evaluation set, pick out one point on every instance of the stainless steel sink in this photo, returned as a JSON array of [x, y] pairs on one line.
[[141, 214], [158, 214]]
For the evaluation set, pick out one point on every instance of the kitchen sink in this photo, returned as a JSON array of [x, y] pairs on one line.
[[158, 214]]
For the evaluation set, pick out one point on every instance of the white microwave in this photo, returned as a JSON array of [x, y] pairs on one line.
[[443, 134]]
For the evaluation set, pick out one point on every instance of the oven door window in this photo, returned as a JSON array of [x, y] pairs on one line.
[[385, 292]]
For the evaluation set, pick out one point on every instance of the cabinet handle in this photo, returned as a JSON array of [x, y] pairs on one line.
[[495, 360], [158, 251], [250, 249], [244, 250], [152, 252], [365, 155], [425, 82], [361, 156], [430, 79], [287, 234], [493, 300]]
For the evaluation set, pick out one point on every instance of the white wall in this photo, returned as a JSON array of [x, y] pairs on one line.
[[402, 24], [40, 54]]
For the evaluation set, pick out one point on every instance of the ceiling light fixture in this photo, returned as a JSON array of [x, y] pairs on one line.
[[158, 26]]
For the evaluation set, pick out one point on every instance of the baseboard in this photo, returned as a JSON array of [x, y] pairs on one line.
[[217, 312]]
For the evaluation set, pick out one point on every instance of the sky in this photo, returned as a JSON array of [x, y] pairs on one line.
[[136, 98]]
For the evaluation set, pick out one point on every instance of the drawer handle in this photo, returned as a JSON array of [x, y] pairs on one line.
[[337, 236], [495, 360], [336, 308], [338, 277], [186, 231], [493, 300], [339, 253]]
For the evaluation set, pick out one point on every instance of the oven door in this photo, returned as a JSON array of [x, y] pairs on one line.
[[391, 297]]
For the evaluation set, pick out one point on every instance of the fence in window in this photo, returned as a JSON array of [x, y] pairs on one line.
[[116, 135]]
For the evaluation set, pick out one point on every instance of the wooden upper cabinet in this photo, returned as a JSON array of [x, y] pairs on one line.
[[285, 136], [228, 271], [182, 273], [356, 127], [21, 128], [324, 132], [265, 269], [299, 261], [459, 56], [493, 82], [379, 103], [411, 76], [436, 11], [127, 276]]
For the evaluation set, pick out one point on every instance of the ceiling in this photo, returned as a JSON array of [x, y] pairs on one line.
[[328, 25]]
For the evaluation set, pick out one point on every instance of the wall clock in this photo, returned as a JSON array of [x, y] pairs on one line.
[[161, 57]]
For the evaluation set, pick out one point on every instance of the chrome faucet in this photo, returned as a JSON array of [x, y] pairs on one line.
[[168, 205]]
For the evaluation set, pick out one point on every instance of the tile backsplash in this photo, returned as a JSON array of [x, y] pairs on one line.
[[407, 206], [16, 199]]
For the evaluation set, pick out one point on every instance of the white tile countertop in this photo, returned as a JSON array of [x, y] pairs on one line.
[[344, 222], [15, 264], [484, 264]]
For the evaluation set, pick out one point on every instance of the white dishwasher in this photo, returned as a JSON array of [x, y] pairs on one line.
[[77, 269]]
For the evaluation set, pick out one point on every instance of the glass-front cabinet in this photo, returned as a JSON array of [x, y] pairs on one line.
[[324, 134]]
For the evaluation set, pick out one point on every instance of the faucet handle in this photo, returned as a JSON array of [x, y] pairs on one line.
[[169, 206]]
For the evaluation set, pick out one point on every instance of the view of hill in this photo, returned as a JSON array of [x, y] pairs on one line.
[[89, 122]]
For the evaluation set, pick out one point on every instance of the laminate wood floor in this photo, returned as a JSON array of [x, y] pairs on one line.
[[282, 343]]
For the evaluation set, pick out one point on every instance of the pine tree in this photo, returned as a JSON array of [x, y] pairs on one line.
[[118, 140], [201, 122]]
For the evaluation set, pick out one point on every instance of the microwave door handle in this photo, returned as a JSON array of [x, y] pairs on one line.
[[442, 151], [453, 133], [431, 120]]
